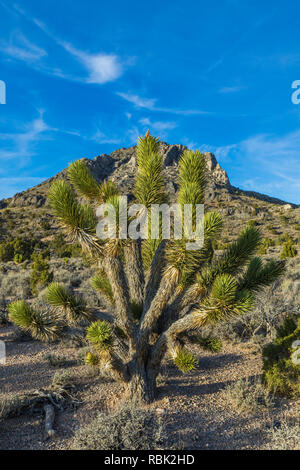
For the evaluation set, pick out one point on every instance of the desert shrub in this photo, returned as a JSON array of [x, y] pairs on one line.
[[285, 238], [284, 219], [41, 275], [252, 223], [24, 247], [19, 249], [6, 251], [266, 243], [285, 437], [15, 284], [18, 258], [208, 342], [55, 360], [82, 354], [281, 368], [245, 396], [272, 307], [45, 225], [3, 317], [63, 249], [288, 250], [11, 406], [129, 428], [64, 378]]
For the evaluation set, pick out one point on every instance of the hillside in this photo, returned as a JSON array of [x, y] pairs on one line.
[[275, 217]]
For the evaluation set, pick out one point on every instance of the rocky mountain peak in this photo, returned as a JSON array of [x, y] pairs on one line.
[[120, 167]]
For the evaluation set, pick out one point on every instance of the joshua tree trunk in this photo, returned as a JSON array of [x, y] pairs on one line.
[[142, 384]]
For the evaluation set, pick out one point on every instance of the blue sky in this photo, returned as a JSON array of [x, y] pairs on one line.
[[87, 77]]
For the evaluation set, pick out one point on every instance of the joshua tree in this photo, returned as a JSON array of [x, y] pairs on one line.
[[157, 288]]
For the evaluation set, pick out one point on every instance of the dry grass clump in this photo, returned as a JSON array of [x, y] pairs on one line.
[[245, 397], [15, 283], [55, 360], [12, 406], [64, 379], [129, 428], [286, 436]]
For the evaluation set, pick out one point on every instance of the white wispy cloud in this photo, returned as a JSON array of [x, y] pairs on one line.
[[99, 67], [138, 101], [150, 104], [102, 68], [101, 138], [20, 146], [158, 126], [19, 47]]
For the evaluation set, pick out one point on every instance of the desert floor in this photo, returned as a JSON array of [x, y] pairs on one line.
[[197, 411]]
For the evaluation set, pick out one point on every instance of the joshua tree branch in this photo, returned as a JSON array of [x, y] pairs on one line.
[[115, 273], [134, 271], [179, 307], [113, 366], [154, 275]]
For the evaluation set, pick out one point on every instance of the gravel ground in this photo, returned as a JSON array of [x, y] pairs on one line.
[[197, 411]]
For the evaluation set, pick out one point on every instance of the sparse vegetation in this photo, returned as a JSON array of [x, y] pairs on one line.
[[288, 250], [129, 428], [286, 436], [41, 275], [281, 372], [245, 396], [208, 342]]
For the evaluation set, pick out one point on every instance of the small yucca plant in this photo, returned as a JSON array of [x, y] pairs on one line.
[[185, 361], [46, 325], [99, 334], [91, 359]]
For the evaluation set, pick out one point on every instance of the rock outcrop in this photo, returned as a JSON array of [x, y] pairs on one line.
[[120, 167]]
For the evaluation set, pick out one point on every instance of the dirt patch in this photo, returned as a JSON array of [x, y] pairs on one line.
[[198, 413]]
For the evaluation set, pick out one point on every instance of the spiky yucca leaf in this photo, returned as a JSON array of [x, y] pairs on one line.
[[107, 190], [77, 220], [83, 181], [73, 306], [185, 361], [20, 313], [188, 262], [149, 186], [258, 276], [224, 289], [239, 252], [99, 333], [147, 146], [91, 359], [101, 283], [67, 209], [45, 325], [114, 236], [224, 303], [192, 175]]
